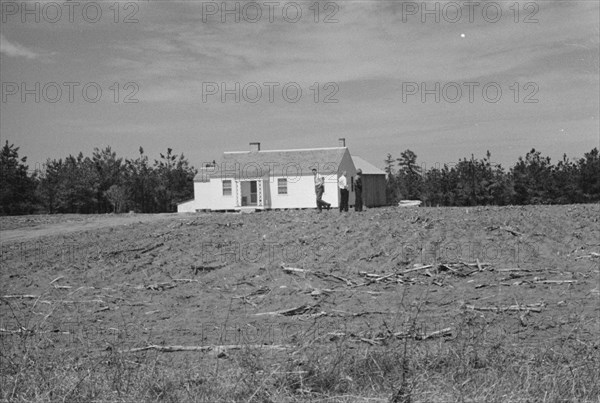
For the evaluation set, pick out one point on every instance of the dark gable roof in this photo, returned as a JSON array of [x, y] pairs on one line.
[[274, 163], [366, 167]]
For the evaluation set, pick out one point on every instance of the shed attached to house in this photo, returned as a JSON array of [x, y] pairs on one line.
[[374, 183]]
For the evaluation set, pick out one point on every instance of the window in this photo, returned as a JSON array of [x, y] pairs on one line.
[[282, 186], [227, 187]]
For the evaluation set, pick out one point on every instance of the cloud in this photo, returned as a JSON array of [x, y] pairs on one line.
[[15, 50], [370, 42]]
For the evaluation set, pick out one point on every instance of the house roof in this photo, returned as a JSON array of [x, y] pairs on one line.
[[204, 173], [258, 164], [366, 167]]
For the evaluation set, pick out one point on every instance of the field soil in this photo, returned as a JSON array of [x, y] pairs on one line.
[[391, 304]]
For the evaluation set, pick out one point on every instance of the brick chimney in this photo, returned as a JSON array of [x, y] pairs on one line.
[[254, 146], [342, 141]]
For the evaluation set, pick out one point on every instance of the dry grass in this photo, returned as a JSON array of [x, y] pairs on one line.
[[470, 366]]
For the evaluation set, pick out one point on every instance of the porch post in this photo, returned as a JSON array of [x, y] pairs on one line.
[[238, 193]]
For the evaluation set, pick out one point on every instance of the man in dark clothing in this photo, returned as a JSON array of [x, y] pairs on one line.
[[319, 190], [343, 185], [358, 203]]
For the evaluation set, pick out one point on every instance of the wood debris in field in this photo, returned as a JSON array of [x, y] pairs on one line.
[[63, 301], [507, 229], [304, 272], [554, 281], [381, 338], [514, 269], [427, 266], [591, 255], [218, 350], [204, 268], [372, 256], [461, 269], [438, 333], [376, 278], [339, 313], [25, 331], [261, 292], [141, 250], [299, 310], [537, 307], [316, 292], [294, 270], [160, 286], [349, 283], [165, 285]]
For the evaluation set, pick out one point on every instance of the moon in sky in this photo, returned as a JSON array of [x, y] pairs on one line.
[[462, 35]]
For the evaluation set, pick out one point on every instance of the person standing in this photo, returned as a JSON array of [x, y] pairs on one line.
[[343, 185], [319, 190], [358, 203]]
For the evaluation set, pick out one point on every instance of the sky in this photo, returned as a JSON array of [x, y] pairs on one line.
[[443, 79]]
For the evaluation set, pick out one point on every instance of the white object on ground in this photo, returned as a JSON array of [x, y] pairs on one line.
[[409, 203]]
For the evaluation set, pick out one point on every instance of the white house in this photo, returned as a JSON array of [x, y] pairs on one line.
[[270, 179]]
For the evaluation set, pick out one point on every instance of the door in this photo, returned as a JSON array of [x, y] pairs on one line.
[[253, 193]]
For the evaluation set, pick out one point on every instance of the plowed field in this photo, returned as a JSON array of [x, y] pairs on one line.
[[412, 304]]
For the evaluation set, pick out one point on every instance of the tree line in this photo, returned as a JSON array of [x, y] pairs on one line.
[[102, 183], [106, 183], [533, 179]]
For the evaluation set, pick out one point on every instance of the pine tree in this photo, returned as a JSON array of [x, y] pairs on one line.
[[175, 180], [409, 175], [17, 188]]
